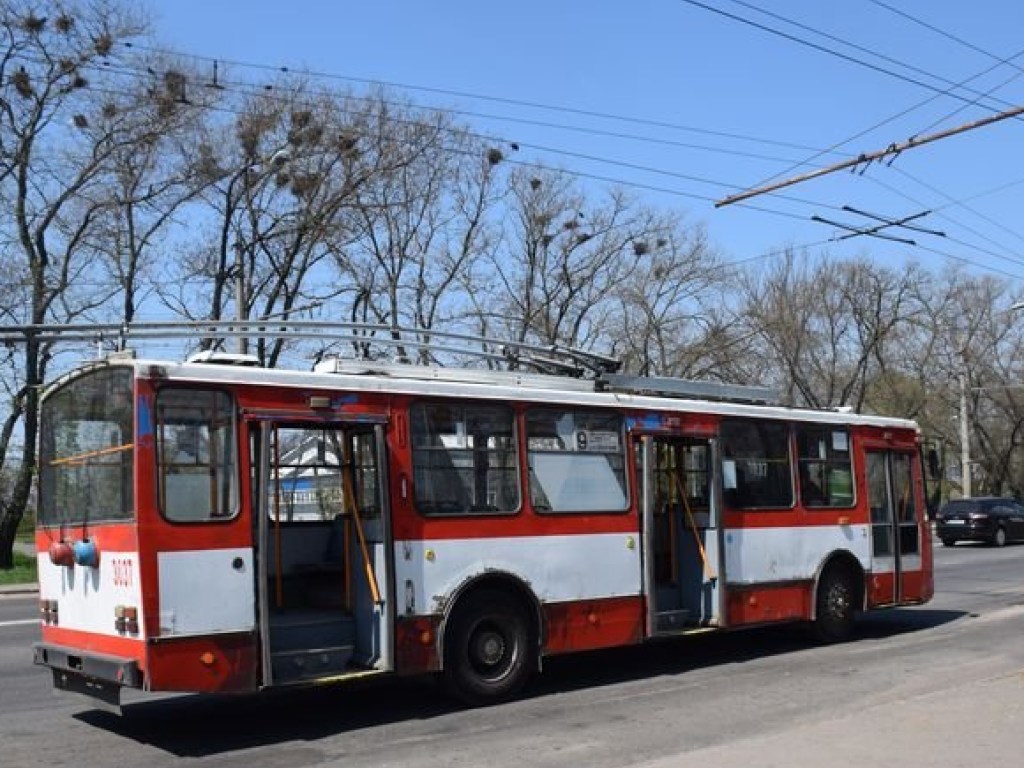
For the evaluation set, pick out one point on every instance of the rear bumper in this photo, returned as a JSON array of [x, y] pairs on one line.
[[92, 674], [979, 531]]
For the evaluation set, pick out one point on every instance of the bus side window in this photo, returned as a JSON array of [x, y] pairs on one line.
[[826, 466], [757, 464], [465, 459], [198, 468], [577, 461]]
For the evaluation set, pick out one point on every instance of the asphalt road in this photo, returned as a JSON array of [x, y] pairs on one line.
[[940, 685]]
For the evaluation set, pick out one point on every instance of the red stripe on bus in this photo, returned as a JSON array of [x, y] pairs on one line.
[[416, 644], [763, 604], [590, 624], [410, 525], [94, 642], [112, 537], [217, 663]]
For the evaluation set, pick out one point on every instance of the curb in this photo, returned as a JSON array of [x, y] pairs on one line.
[[18, 589]]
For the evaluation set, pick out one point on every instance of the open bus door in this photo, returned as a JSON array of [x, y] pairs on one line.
[[897, 538], [681, 534], [323, 550]]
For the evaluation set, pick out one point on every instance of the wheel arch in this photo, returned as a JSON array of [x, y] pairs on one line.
[[844, 561], [498, 580]]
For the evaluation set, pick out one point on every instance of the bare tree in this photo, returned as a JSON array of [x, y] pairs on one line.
[[52, 161], [563, 258], [975, 370], [151, 178], [665, 314], [827, 325], [419, 224]]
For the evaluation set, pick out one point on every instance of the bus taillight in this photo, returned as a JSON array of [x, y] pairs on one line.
[[126, 619]]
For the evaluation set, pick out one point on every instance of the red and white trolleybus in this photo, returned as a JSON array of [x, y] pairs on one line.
[[215, 527]]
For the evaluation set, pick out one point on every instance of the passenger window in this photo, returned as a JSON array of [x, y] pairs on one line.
[[826, 468], [198, 468], [577, 461], [313, 468], [756, 470], [464, 459]]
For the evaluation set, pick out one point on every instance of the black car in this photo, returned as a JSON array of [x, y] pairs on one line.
[[986, 518]]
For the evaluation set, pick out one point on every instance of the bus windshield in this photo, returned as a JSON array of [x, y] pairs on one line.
[[86, 450]]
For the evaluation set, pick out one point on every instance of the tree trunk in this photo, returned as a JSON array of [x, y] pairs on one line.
[[9, 522]]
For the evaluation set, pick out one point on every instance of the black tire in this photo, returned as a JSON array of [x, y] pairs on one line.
[[489, 651], [835, 606], [947, 542], [999, 537]]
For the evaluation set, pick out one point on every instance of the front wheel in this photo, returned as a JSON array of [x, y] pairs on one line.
[[999, 538], [947, 542], [835, 607], [488, 654]]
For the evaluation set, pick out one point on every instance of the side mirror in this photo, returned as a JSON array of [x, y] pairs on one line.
[[933, 464]]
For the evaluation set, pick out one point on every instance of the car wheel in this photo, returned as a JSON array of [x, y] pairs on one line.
[[999, 538], [488, 654], [835, 608], [948, 542]]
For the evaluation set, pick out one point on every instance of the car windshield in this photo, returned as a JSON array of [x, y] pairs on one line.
[[86, 450]]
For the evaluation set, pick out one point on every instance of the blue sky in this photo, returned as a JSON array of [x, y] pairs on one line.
[[678, 64]]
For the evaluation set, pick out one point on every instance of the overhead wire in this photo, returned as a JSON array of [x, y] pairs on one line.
[[255, 90], [973, 102], [570, 110], [840, 55], [947, 92], [475, 96], [937, 30]]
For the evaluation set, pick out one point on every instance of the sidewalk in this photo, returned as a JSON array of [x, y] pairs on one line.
[[979, 726]]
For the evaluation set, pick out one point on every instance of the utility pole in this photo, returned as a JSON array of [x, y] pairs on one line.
[[240, 311], [965, 432]]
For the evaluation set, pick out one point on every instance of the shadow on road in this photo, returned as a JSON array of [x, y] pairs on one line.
[[197, 726]]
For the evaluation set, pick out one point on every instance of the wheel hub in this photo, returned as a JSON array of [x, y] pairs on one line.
[[489, 648]]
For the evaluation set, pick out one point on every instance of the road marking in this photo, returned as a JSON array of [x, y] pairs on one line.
[[18, 623]]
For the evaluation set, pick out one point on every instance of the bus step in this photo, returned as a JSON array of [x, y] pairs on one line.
[[310, 630], [670, 621], [309, 663]]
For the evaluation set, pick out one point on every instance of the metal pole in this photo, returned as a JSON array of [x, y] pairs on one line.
[[965, 432], [240, 309]]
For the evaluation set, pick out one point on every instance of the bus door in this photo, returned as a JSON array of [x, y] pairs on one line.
[[682, 552], [323, 552], [895, 528]]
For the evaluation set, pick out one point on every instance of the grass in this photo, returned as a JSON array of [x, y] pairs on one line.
[[26, 529], [23, 572]]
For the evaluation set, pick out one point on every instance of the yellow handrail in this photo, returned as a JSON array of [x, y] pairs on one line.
[[348, 497], [80, 457], [708, 571]]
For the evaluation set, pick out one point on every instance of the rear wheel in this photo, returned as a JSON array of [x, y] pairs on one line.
[[999, 538], [833, 620], [948, 542], [489, 653]]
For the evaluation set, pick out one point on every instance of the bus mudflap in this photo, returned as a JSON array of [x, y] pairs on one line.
[[98, 677]]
